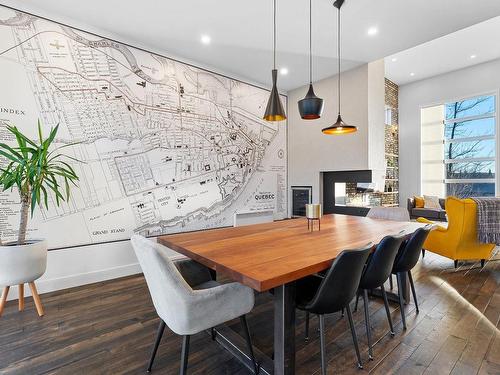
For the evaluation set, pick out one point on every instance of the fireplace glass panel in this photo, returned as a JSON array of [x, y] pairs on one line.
[[352, 194]]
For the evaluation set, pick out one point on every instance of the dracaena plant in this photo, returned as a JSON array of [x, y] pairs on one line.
[[35, 171]]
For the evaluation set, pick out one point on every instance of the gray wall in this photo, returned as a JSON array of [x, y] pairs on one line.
[[475, 80]]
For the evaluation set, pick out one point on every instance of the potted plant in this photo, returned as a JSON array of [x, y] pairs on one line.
[[36, 172]]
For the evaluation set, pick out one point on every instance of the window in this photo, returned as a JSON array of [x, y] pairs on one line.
[[469, 152], [459, 148]]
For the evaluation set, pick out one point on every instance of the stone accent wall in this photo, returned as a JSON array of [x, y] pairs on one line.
[[391, 194], [391, 98]]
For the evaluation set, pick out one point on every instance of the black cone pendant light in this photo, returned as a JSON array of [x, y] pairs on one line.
[[340, 127], [274, 109], [311, 107]]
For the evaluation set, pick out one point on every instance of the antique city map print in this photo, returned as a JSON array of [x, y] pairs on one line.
[[164, 146]]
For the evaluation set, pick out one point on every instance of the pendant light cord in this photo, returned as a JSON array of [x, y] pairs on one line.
[[310, 43], [274, 34], [338, 51]]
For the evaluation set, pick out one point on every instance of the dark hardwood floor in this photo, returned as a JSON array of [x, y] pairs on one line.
[[109, 328]]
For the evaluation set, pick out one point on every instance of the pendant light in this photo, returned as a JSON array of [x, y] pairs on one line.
[[274, 109], [311, 107], [340, 127]]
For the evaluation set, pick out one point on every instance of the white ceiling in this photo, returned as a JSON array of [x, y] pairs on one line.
[[241, 31], [446, 54]]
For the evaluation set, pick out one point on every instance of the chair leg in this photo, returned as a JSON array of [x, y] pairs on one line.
[[367, 323], [322, 343], [357, 299], [21, 297], [400, 295], [343, 312], [423, 253], [3, 299], [456, 263], [390, 281], [354, 337], [184, 354], [387, 311], [159, 334], [36, 298], [482, 262], [248, 339], [412, 285], [307, 326]]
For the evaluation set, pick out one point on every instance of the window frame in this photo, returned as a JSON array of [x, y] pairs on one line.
[[494, 137]]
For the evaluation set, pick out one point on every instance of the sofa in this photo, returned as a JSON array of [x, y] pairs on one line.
[[427, 213], [458, 241]]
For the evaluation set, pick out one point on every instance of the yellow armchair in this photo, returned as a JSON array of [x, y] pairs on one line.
[[459, 240]]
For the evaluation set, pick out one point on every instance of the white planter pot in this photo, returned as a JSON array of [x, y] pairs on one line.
[[21, 264]]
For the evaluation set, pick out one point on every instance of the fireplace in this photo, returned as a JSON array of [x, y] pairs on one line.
[[351, 192]]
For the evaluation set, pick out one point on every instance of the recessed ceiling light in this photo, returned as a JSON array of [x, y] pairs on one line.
[[284, 71], [372, 31], [205, 39], [472, 56], [394, 59], [412, 74]]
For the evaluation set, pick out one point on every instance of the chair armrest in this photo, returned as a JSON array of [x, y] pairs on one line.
[[214, 306], [410, 204], [424, 220], [434, 225]]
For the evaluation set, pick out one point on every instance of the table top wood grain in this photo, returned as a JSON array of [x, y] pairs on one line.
[[264, 256]]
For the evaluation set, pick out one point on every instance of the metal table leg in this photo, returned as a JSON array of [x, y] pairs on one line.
[[284, 337], [236, 345], [284, 329]]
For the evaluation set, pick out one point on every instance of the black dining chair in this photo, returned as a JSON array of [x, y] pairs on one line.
[[332, 292], [376, 272], [406, 259]]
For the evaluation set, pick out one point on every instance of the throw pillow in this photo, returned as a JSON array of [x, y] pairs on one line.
[[431, 201], [419, 202]]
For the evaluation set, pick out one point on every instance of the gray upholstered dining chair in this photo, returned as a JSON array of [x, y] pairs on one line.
[[389, 213], [187, 299]]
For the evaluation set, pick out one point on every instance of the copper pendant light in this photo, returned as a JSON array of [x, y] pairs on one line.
[[340, 127], [311, 107], [274, 109]]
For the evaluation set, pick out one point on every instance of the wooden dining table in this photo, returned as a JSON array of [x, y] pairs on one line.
[[274, 256]]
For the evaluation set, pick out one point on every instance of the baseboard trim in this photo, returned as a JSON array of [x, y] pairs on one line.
[[71, 281]]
